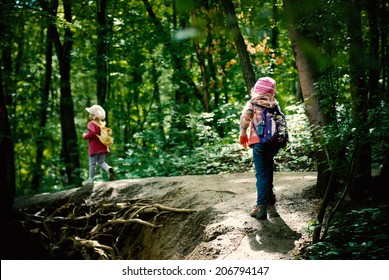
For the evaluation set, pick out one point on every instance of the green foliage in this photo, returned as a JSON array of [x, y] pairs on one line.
[[341, 133], [299, 154], [202, 150], [357, 235], [379, 134], [198, 149], [156, 110], [145, 92]]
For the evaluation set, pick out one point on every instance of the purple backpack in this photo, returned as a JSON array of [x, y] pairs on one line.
[[273, 128]]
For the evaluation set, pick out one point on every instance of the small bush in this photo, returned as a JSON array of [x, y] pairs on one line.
[[357, 235]]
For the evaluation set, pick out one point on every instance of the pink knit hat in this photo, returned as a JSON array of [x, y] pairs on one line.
[[264, 85]]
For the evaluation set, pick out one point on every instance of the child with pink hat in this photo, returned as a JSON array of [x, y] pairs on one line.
[[262, 96]]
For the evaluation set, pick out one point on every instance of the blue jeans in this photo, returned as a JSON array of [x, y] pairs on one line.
[[263, 155]]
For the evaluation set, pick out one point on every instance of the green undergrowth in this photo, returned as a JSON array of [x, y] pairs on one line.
[[358, 234]]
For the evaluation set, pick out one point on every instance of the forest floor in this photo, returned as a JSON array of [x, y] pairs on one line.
[[220, 228]]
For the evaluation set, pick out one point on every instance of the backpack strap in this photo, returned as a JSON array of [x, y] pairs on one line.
[[259, 127], [100, 125]]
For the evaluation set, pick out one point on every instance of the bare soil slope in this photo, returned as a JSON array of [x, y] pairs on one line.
[[221, 228]]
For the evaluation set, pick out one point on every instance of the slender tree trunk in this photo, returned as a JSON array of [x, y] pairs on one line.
[[210, 61], [384, 28], [137, 80], [101, 52], [275, 32], [204, 76], [198, 9], [157, 99], [69, 137], [384, 69], [248, 72], [7, 164], [6, 54], [223, 52], [7, 158], [359, 93], [212, 72], [179, 74], [44, 103], [374, 63]]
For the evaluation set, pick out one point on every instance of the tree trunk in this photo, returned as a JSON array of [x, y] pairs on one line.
[[200, 53], [7, 38], [101, 52], [384, 84], [374, 63], [44, 103], [275, 32], [384, 23], [308, 77], [7, 164], [157, 99], [69, 137], [212, 69], [7, 158], [248, 72], [359, 95], [204, 77]]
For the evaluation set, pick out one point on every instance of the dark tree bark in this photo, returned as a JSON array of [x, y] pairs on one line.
[[7, 164], [157, 99], [204, 76], [7, 158], [241, 47], [101, 52], [275, 31], [383, 14], [384, 57], [308, 77], [6, 42], [374, 63], [44, 103], [359, 95], [70, 150], [209, 57]]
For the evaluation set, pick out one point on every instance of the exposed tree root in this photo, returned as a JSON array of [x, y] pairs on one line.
[[92, 231]]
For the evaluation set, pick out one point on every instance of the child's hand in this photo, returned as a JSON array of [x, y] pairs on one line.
[[243, 141]]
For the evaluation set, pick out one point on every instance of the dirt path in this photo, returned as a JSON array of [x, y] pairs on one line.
[[239, 236], [222, 228]]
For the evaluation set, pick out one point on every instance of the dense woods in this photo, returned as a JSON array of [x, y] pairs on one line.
[[173, 77]]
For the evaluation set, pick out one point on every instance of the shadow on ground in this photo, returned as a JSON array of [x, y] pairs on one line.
[[273, 235]]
